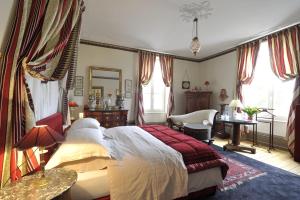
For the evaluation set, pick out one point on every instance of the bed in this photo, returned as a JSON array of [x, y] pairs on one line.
[[204, 168]]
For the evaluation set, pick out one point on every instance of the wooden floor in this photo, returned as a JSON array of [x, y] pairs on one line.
[[278, 158]]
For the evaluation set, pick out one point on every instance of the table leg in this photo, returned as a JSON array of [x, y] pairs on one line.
[[236, 134], [235, 146]]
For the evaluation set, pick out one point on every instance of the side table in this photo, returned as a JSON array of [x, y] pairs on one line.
[[55, 185], [235, 145]]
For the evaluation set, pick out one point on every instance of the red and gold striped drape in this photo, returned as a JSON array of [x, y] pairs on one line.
[[166, 64], [285, 60], [41, 40], [146, 66], [247, 56]]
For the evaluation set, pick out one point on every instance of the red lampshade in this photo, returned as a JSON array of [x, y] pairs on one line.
[[39, 136], [73, 104]]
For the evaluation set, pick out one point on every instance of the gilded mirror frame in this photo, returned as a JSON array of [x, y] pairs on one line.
[[92, 68]]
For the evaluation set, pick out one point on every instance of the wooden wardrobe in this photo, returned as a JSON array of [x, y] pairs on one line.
[[197, 100]]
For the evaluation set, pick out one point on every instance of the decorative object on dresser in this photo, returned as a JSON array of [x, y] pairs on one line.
[[108, 118], [41, 136], [120, 101], [198, 100], [206, 83]]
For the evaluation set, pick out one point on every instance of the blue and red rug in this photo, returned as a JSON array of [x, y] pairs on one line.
[[238, 173], [260, 182]]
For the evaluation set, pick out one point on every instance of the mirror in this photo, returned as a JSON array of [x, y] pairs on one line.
[[105, 80]]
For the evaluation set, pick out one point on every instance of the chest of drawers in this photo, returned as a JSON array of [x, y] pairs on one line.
[[108, 118]]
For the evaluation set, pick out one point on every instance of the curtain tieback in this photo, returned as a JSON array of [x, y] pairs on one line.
[[25, 63]]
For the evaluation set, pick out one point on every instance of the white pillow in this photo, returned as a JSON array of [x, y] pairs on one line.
[[80, 144], [83, 135], [85, 123]]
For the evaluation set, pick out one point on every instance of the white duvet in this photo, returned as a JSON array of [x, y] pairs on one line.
[[144, 167]]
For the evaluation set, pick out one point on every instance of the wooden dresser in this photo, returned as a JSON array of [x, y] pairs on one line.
[[108, 118], [197, 100]]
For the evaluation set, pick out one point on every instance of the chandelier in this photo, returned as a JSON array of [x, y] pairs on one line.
[[195, 44]]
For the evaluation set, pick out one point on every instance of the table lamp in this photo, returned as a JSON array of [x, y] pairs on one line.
[[73, 105], [235, 104], [41, 136]]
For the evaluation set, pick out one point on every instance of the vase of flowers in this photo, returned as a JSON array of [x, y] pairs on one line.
[[250, 111]]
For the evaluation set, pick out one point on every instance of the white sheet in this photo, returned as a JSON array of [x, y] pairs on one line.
[[90, 185], [145, 168], [95, 184]]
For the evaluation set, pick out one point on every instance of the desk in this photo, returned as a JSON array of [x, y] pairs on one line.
[[55, 185], [235, 145]]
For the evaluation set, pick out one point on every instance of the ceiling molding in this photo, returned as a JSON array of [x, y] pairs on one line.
[[130, 49]]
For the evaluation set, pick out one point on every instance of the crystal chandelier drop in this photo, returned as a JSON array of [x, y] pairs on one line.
[[195, 44]]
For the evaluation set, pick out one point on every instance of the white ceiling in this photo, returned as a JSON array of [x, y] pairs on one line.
[[157, 25]]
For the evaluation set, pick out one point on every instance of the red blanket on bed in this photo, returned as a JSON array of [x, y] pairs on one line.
[[196, 155]]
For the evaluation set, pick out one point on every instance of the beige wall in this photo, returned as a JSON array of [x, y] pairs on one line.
[[128, 62], [221, 73]]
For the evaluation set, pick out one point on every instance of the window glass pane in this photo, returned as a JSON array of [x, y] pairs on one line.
[[147, 101], [158, 102], [155, 91], [266, 90]]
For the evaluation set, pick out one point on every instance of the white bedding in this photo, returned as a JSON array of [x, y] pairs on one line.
[[145, 168], [94, 184]]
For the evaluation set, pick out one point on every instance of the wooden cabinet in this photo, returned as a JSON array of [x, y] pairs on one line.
[[108, 118], [197, 101]]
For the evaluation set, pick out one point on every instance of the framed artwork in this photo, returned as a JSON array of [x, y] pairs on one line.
[[128, 85], [186, 84], [79, 82], [78, 92], [128, 95]]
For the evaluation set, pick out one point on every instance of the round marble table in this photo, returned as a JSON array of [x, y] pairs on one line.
[[56, 182]]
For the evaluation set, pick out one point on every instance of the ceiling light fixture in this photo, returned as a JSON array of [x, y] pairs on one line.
[[195, 44]]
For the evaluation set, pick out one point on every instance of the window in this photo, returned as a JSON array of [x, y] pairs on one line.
[[267, 90], [155, 93]]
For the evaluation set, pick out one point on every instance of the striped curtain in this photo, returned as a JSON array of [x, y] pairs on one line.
[[285, 60], [146, 66], [41, 40], [166, 64], [247, 56]]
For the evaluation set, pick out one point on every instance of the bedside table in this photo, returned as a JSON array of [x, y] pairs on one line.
[[56, 185]]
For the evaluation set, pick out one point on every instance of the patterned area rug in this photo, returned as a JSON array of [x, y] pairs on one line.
[[237, 174]]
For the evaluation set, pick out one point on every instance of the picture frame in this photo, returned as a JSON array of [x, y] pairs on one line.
[[78, 92], [128, 85], [186, 85], [78, 82], [128, 95]]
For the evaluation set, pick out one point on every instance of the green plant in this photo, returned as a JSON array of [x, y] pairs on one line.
[[250, 110]]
